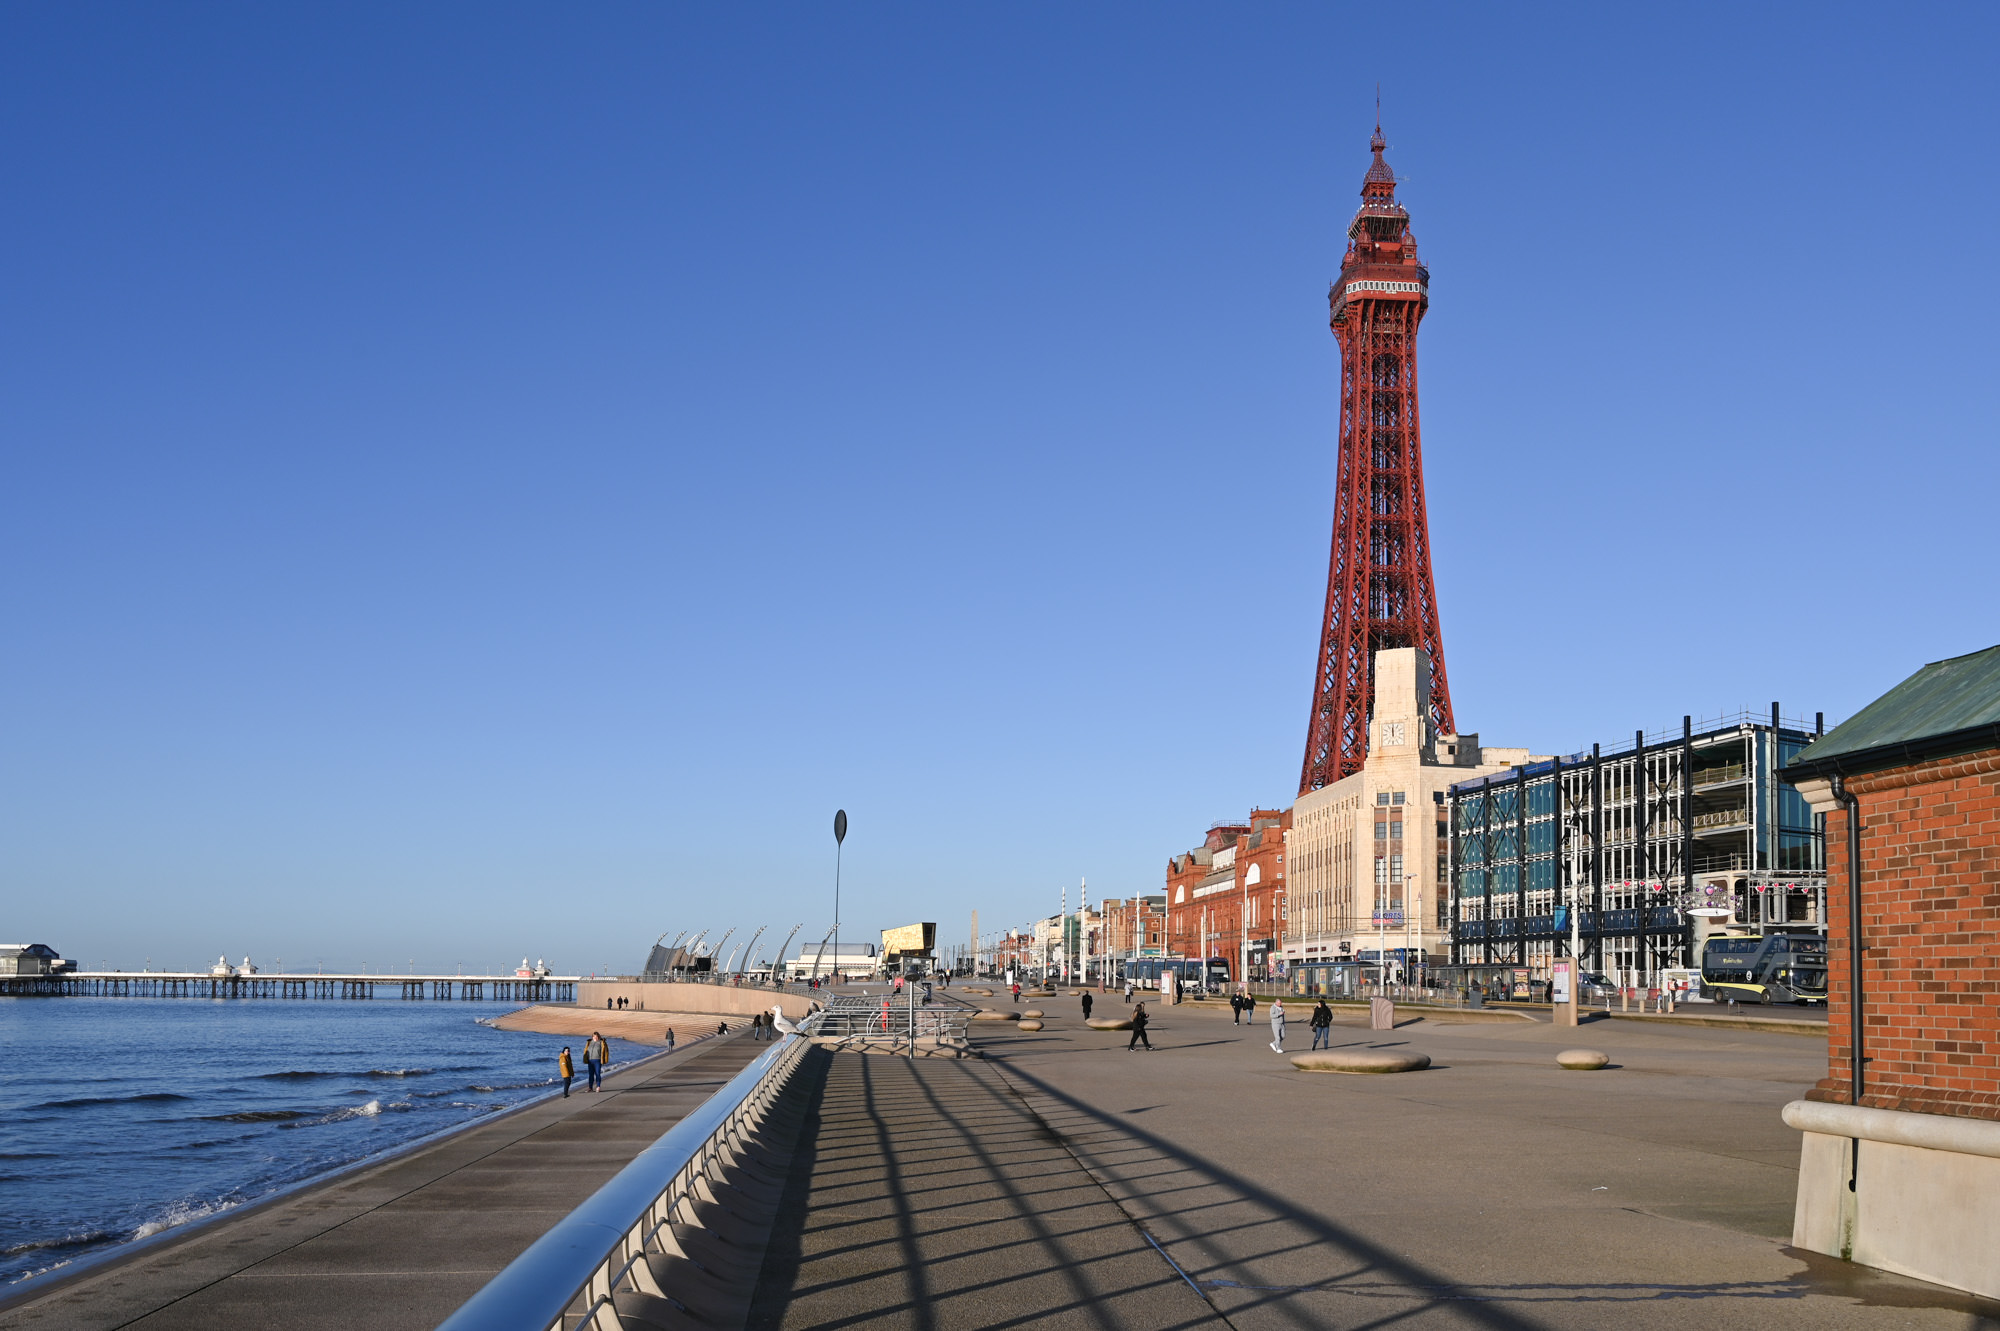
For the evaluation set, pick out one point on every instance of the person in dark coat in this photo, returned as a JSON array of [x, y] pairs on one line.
[[1086, 1007], [1139, 1030], [1236, 1009], [1322, 1025]]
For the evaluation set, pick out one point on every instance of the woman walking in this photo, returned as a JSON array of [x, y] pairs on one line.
[[565, 1069], [1139, 1036], [1278, 1024], [1322, 1025]]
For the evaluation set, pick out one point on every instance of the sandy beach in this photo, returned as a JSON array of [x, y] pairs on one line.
[[638, 1027]]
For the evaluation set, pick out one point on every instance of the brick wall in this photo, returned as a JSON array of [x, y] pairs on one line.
[[1930, 872]]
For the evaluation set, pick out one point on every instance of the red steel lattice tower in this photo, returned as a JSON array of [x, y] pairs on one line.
[[1379, 589]]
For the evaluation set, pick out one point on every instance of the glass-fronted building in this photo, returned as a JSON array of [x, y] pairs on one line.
[[1656, 845]]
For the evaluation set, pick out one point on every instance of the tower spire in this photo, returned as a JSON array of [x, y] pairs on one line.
[[1379, 590]]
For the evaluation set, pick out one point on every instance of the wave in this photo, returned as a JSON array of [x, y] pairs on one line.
[[149, 1097], [295, 1075], [180, 1213], [81, 1238], [257, 1116], [29, 1155], [370, 1110]]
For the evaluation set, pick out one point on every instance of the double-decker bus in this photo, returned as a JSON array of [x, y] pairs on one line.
[[1771, 968], [1192, 972]]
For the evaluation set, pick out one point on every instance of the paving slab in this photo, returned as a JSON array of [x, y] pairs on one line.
[[394, 1246]]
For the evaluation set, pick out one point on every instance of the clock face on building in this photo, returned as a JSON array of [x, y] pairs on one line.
[[1392, 732]]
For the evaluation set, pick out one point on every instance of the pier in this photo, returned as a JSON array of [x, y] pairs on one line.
[[201, 984]]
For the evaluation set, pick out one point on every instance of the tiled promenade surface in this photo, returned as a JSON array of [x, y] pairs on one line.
[[1492, 1191], [397, 1246]]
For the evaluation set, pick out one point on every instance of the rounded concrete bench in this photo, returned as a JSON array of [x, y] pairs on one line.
[[1360, 1060], [1582, 1060], [1034, 1014], [1028, 1026], [988, 1014], [1109, 1023], [984, 993]]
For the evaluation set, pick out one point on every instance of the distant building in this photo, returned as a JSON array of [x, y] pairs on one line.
[[1135, 927], [908, 943], [1659, 842], [850, 959], [1226, 897], [32, 959]]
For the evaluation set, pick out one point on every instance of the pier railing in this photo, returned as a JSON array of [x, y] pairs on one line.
[[567, 1279]]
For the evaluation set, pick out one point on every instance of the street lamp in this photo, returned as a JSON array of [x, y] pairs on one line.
[[839, 837]]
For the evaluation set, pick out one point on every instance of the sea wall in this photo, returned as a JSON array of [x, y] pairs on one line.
[[654, 996]]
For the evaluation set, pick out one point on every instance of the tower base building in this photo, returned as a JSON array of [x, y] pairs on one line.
[[1368, 855]]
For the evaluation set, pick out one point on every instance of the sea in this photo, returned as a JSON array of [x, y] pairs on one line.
[[121, 1118]]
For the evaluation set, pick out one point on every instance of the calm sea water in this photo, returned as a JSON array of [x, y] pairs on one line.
[[122, 1117]]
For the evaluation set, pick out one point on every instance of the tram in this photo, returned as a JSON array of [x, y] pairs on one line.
[[1192, 972]]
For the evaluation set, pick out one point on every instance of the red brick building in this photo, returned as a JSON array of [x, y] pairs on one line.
[[1906, 1175], [1230, 888], [1923, 764], [1134, 927]]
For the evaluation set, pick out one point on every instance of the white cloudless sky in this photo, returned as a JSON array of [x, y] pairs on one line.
[[486, 480]]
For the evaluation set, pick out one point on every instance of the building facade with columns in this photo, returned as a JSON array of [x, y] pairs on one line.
[[1367, 856]]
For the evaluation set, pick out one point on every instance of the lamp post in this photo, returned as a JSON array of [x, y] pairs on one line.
[[839, 837]]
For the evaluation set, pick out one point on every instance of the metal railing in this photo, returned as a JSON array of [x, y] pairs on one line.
[[894, 1018], [566, 1279]]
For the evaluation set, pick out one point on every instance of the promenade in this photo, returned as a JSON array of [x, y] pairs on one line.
[[394, 1246], [1493, 1190]]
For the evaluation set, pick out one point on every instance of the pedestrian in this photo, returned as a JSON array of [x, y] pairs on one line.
[[1249, 1009], [1236, 1009], [1128, 990], [1086, 1007], [1017, 991], [596, 1053], [927, 991], [607, 1004], [1278, 1024], [1139, 1030], [670, 1039], [722, 1028], [1322, 1025], [565, 1069]]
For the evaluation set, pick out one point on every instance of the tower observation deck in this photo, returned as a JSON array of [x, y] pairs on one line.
[[1379, 588]]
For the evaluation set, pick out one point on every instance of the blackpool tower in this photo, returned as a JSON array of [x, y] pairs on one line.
[[1379, 589]]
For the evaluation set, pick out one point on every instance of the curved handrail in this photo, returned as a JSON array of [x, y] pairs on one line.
[[589, 1251]]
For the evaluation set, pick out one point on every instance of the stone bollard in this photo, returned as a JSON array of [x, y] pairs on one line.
[[1381, 1014]]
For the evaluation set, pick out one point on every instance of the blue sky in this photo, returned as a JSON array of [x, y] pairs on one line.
[[494, 479]]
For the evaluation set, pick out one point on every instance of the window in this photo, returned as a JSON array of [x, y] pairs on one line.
[[1397, 798]]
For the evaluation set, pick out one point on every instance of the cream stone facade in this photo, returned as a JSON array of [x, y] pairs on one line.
[[1376, 841]]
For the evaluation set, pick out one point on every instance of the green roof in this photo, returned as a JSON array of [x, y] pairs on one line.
[[1947, 707]]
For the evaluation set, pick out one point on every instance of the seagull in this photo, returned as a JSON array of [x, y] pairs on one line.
[[780, 1023]]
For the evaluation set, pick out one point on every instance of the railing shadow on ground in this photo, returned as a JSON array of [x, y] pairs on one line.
[[924, 1200], [1218, 1223]]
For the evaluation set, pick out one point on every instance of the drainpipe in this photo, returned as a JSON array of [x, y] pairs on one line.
[[1856, 1061]]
